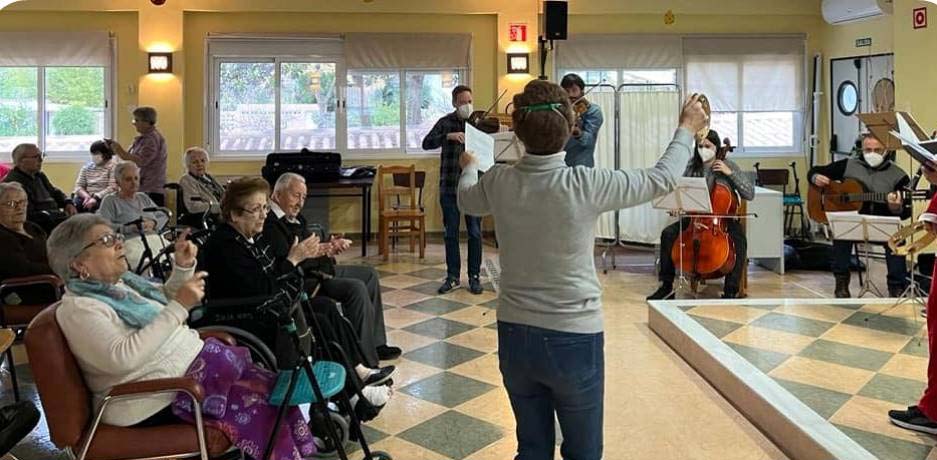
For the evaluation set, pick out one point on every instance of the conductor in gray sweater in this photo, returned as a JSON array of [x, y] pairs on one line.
[[550, 339]]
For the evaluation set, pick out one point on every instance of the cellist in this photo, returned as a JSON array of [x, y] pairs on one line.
[[704, 164]]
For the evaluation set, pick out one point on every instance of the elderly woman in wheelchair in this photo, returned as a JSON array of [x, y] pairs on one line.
[[124, 329], [239, 259], [134, 215]]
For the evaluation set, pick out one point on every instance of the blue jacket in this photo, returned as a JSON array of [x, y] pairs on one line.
[[581, 150]]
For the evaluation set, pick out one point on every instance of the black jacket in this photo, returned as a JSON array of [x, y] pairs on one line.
[[238, 268], [42, 195], [280, 236]]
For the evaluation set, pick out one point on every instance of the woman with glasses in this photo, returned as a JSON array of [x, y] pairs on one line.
[[242, 266], [131, 214], [22, 243], [123, 329]]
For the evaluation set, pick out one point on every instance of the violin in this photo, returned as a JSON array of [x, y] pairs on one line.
[[704, 249], [485, 123]]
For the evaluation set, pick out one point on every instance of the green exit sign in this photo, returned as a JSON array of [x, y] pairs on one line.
[[863, 42]]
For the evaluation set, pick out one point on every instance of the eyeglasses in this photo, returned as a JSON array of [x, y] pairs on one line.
[[108, 240], [13, 204], [262, 210]]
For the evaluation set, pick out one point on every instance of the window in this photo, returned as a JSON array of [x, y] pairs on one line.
[[386, 107], [633, 79], [755, 87], [359, 94], [54, 91], [72, 102]]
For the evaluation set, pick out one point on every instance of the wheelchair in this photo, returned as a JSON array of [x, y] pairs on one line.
[[245, 320]]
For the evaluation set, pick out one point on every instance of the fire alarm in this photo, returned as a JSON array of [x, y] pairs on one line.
[[158, 2]]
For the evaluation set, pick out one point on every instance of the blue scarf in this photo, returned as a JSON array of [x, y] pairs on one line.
[[131, 305]]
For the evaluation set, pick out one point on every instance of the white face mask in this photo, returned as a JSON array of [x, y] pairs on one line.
[[706, 154], [98, 159], [465, 111], [873, 159]]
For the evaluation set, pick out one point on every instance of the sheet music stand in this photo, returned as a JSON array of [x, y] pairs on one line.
[[865, 229], [689, 197]]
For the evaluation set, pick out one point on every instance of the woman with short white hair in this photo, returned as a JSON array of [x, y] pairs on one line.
[[131, 214], [200, 191]]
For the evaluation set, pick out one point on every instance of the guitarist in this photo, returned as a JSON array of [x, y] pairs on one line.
[[704, 164], [878, 174]]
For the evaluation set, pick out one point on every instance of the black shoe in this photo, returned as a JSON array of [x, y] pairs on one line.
[[913, 419], [387, 353], [730, 295], [842, 286], [380, 377], [895, 291], [475, 285], [448, 285], [664, 292]]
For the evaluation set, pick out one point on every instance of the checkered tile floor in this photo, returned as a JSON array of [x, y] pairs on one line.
[[849, 362]]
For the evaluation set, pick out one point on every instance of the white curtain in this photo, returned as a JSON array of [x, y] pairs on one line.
[[605, 152], [647, 123], [85, 48]]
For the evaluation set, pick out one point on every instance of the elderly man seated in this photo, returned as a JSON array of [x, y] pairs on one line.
[[48, 206], [356, 287]]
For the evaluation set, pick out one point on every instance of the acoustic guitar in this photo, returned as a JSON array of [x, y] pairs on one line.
[[846, 195]]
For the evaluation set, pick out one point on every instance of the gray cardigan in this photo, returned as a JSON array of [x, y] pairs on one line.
[[545, 214]]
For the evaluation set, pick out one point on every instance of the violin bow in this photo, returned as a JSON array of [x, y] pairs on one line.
[[494, 104], [588, 91]]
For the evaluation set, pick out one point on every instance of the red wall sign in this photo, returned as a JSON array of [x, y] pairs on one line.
[[920, 18], [518, 32]]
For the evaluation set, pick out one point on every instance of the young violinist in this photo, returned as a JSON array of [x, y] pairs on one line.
[[580, 149], [449, 133], [923, 416], [877, 173], [704, 164]]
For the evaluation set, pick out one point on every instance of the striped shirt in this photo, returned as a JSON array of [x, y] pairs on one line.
[[99, 181]]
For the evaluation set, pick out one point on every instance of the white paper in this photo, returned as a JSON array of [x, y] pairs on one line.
[[690, 195], [852, 226], [481, 145], [919, 150]]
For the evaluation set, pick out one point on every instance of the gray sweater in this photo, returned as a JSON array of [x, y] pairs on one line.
[[545, 214]]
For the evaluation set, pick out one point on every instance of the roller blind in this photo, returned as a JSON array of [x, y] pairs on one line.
[[86, 48], [620, 51], [748, 74], [407, 51], [238, 45]]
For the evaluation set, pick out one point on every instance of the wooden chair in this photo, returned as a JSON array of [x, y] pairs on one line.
[[404, 221], [403, 180]]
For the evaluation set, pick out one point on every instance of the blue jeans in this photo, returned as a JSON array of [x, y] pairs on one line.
[[473, 225], [547, 372]]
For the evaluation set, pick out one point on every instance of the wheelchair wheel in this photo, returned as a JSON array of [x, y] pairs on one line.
[[379, 455], [318, 429], [260, 352]]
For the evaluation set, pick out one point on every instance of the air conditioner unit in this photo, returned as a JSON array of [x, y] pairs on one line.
[[844, 11]]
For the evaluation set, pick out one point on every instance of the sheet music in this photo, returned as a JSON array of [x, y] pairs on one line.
[[923, 152], [852, 226], [481, 145], [690, 195]]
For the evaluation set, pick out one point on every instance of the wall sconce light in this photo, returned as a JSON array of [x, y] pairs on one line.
[[160, 62], [518, 62]]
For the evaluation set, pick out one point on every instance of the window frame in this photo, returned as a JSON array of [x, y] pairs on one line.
[[42, 128]]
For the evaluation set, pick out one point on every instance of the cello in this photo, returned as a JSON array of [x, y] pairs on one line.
[[704, 249]]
